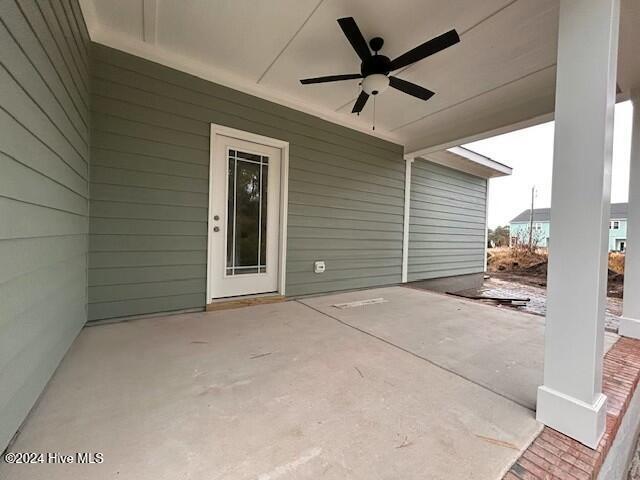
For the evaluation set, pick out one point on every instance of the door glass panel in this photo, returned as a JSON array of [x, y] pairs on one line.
[[246, 213], [263, 219], [250, 157], [231, 205]]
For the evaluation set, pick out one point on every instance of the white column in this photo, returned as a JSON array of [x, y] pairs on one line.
[[630, 321], [407, 217], [571, 398]]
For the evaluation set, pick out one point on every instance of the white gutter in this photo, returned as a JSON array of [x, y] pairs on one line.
[[468, 161], [481, 160]]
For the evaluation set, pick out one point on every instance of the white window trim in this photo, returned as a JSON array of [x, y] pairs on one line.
[[283, 146]]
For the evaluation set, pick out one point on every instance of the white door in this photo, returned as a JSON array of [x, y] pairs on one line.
[[245, 217]]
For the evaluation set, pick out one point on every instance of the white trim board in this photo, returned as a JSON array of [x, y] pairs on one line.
[[486, 226], [464, 160], [284, 198], [494, 132], [468, 161], [481, 135], [407, 218], [483, 160]]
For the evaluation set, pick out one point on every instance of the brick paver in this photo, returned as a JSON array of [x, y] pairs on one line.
[[495, 287], [553, 455]]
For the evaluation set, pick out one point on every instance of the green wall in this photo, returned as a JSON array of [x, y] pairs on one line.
[[146, 128], [447, 223], [44, 170], [149, 190]]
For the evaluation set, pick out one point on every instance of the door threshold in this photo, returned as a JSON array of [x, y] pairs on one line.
[[228, 303]]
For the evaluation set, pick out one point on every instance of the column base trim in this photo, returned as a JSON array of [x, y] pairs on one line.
[[575, 418], [629, 327]]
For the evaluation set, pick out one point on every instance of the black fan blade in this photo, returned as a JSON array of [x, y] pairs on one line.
[[331, 78], [411, 88], [354, 35], [360, 102], [434, 45]]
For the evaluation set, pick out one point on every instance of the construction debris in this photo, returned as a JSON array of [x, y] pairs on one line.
[[511, 301]]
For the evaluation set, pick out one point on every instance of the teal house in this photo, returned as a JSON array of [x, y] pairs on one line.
[[519, 227]]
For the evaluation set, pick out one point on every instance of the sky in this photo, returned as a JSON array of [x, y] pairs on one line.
[[530, 153]]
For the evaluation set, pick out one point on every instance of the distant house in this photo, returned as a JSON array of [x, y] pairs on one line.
[[519, 227]]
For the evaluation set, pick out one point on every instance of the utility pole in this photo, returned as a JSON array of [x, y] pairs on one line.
[[533, 194]]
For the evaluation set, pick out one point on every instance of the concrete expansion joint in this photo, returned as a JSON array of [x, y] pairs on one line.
[[425, 359]]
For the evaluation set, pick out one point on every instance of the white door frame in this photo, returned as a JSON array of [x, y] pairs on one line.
[[283, 146]]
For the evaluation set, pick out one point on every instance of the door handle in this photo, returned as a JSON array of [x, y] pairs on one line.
[[216, 229]]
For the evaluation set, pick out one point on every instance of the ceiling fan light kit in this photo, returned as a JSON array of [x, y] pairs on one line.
[[375, 83], [375, 68]]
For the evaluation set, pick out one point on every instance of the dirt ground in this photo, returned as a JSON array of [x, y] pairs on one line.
[[615, 284], [519, 286], [530, 268]]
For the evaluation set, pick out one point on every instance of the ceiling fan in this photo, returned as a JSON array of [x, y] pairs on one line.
[[375, 69]]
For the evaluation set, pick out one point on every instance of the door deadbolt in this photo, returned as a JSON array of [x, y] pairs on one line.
[[216, 217]]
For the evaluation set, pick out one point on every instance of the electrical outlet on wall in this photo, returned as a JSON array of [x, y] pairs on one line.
[[319, 266]]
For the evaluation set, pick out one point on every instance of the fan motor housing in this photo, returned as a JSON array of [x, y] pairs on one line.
[[375, 64]]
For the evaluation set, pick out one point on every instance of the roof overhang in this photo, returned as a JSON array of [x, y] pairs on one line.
[[465, 160], [499, 78]]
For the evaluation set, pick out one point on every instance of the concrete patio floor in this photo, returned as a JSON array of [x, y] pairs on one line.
[[500, 349], [421, 386]]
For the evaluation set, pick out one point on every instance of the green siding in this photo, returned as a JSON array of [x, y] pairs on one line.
[[149, 190], [447, 223], [44, 165], [616, 235], [519, 233]]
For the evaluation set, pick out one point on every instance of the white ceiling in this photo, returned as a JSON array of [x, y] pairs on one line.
[[501, 73]]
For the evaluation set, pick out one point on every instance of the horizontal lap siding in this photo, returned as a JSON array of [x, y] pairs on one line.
[[44, 171], [447, 223], [149, 190], [347, 211]]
